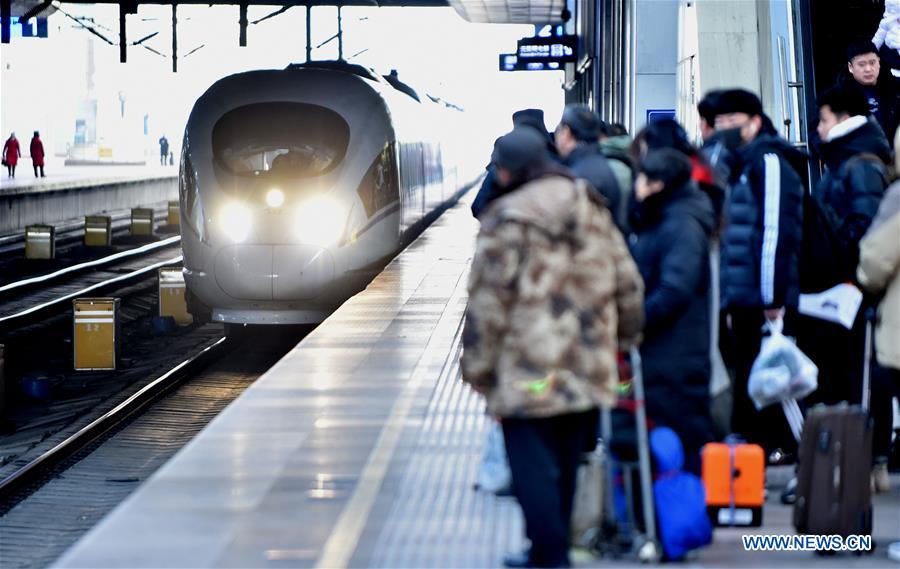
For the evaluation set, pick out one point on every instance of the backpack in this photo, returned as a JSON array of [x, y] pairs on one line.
[[823, 255]]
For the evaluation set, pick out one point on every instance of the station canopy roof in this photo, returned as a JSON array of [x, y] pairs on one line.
[[475, 11], [509, 11]]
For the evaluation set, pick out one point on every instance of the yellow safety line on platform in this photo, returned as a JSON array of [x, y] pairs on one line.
[[344, 537]]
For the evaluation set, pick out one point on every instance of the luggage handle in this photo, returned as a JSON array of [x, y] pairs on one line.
[[732, 499], [867, 361], [794, 416], [643, 439]]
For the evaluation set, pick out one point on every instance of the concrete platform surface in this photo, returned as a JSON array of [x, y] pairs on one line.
[[360, 448]]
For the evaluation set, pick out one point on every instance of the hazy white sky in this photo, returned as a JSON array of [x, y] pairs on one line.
[[42, 81]]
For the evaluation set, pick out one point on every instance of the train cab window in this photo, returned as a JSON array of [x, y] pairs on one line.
[[285, 140]]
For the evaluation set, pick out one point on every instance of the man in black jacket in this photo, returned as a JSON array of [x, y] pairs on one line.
[[760, 249], [856, 154], [880, 89], [576, 141]]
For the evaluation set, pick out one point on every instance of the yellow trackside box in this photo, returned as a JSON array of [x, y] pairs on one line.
[[98, 231], [141, 221], [174, 217], [96, 333], [40, 242], [171, 296]]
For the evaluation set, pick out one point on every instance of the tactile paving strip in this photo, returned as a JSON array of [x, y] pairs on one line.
[[438, 519]]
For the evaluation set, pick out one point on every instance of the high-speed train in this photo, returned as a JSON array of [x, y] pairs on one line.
[[296, 185]]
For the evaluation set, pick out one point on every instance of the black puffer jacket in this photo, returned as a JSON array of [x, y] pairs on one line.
[[885, 96], [588, 163], [760, 245], [671, 247], [853, 183]]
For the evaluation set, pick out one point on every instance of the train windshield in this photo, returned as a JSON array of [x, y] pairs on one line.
[[285, 140]]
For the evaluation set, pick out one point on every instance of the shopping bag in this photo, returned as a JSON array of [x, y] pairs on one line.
[[494, 474], [587, 506], [781, 371]]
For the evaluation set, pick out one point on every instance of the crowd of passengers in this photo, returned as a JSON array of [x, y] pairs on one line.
[[592, 242]]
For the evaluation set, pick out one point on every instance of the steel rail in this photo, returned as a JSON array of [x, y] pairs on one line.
[[32, 472], [23, 317], [137, 252]]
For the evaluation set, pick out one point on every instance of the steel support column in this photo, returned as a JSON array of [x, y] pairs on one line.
[[308, 33], [242, 22], [123, 43], [5, 20], [174, 37], [340, 35]]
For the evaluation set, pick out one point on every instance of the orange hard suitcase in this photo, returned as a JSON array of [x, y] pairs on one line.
[[734, 476]]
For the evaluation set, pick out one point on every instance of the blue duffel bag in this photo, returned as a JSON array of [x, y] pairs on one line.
[[680, 498]]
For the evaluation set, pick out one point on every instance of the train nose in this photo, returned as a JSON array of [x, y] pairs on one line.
[[274, 272]]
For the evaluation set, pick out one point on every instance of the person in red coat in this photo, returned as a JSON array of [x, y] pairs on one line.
[[37, 154], [11, 154]]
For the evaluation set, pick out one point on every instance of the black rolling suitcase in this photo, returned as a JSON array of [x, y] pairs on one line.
[[835, 456]]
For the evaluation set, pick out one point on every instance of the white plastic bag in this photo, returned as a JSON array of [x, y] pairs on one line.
[[588, 502], [781, 371], [494, 474]]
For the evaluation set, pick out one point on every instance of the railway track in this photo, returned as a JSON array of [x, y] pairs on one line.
[[46, 505], [21, 305], [71, 270]]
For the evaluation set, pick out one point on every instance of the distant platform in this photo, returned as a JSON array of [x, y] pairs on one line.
[[71, 177], [69, 192]]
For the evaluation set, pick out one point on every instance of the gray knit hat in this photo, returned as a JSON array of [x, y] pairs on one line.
[[519, 149]]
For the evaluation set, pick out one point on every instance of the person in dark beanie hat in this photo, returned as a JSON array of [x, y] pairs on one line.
[[760, 252], [531, 119], [553, 295], [672, 222], [516, 151], [576, 141], [534, 118], [739, 101]]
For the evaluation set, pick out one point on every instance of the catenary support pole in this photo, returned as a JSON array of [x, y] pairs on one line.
[[174, 37], [340, 35], [308, 33], [5, 20], [242, 21], [123, 44]]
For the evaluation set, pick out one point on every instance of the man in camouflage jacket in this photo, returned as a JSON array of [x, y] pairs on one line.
[[553, 295]]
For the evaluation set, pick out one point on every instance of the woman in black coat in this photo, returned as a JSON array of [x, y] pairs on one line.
[[672, 222]]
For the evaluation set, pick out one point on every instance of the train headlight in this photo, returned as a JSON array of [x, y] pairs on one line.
[[236, 221], [320, 221], [274, 198]]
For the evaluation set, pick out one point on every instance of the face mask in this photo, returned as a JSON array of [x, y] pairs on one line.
[[731, 138]]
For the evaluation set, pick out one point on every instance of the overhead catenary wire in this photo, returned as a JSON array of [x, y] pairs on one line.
[[85, 26], [272, 15]]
